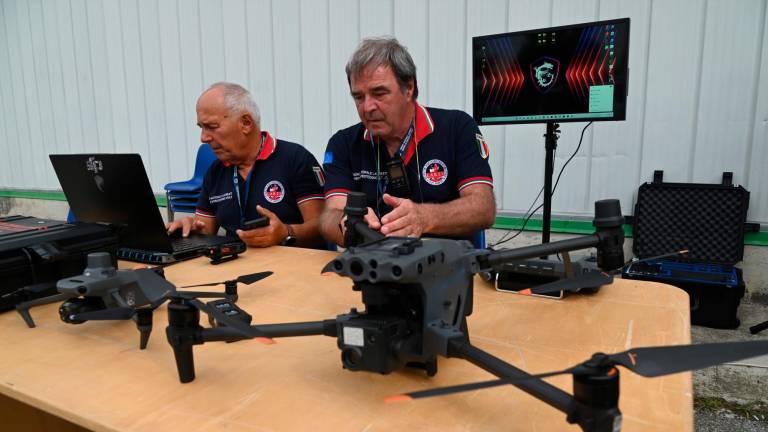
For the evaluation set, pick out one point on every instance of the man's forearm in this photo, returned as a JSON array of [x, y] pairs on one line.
[[462, 216], [329, 225]]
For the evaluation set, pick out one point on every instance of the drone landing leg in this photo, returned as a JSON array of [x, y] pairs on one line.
[[596, 402], [144, 324], [430, 366]]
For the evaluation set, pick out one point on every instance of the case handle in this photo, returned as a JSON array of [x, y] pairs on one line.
[[727, 178]]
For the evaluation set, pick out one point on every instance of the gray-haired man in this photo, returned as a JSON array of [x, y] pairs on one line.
[[255, 175], [424, 170]]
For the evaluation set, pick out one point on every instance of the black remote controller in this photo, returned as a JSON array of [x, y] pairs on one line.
[[259, 222]]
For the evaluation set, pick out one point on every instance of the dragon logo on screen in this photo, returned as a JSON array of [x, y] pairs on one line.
[[544, 73]]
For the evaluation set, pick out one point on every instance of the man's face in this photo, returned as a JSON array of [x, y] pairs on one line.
[[382, 105], [225, 132]]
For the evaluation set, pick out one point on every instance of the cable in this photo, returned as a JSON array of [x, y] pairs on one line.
[[528, 216]]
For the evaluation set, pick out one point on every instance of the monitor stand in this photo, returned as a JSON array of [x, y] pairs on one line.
[[550, 144]]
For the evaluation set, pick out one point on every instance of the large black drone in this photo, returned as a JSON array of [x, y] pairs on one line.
[[417, 293], [104, 293]]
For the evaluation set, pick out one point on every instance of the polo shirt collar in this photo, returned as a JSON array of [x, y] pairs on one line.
[[423, 127], [268, 146]]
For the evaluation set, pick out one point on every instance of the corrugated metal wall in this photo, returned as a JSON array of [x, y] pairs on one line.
[[124, 75]]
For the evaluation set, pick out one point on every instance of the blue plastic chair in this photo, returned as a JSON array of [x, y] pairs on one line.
[[182, 196], [478, 240]]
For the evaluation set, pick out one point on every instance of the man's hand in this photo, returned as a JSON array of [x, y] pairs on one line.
[[270, 235], [370, 218], [187, 225], [406, 218]]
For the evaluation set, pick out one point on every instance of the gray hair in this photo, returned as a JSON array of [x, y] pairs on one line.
[[237, 99], [384, 51]]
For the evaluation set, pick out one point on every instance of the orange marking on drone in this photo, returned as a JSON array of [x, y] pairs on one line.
[[612, 372], [140, 266], [632, 358], [526, 291], [265, 340], [397, 398]]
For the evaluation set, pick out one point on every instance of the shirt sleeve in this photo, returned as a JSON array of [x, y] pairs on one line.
[[471, 154], [308, 179], [338, 167], [204, 207]]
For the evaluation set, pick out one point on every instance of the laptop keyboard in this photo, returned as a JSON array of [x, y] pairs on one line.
[[182, 244]]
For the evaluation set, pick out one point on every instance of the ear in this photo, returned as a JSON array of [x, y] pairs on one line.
[[409, 89], [247, 124]]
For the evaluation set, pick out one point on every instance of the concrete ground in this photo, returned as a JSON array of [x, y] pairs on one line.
[[739, 385]]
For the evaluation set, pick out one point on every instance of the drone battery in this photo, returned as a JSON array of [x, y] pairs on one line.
[[519, 275], [708, 220], [40, 251]]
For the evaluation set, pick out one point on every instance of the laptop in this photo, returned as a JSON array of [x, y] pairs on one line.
[[114, 189]]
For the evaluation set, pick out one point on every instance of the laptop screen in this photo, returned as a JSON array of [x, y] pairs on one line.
[[113, 189]]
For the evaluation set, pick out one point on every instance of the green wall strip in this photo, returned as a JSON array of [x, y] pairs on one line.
[[502, 222], [56, 195]]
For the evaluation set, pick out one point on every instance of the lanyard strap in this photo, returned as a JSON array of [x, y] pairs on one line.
[[406, 140], [241, 204], [399, 154]]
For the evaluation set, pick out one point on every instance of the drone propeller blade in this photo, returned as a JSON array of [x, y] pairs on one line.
[[240, 326], [202, 285], [665, 360], [443, 391], [246, 279], [590, 280], [198, 294], [120, 313], [31, 289], [253, 277], [647, 362]]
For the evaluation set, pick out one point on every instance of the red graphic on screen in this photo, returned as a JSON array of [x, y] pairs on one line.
[[592, 63], [502, 77]]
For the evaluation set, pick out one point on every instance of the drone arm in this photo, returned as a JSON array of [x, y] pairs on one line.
[[311, 328], [503, 256], [539, 389]]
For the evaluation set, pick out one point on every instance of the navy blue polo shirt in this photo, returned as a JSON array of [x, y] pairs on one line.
[[285, 175], [446, 154]]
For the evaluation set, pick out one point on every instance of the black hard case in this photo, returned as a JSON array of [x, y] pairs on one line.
[[706, 219], [53, 250]]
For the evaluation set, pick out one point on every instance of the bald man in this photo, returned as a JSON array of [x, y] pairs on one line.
[[255, 175]]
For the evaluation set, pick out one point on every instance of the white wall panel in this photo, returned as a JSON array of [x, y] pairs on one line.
[[727, 94], [757, 176], [46, 126], [343, 37], [8, 165], [286, 33], [19, 95], [181, 151], [677, 31], [124, 75], [446, 74], [315, 76]]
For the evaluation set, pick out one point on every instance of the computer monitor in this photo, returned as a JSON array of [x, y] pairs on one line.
[[552, 75]]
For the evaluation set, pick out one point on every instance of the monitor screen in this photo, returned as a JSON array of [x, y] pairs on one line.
[[559, 74]]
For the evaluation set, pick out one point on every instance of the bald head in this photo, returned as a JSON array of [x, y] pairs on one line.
[[234, 98], [229, 122]]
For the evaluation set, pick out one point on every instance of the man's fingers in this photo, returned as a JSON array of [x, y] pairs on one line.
[[399, 226], [372, 220], [264, 212], [392, 201]]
